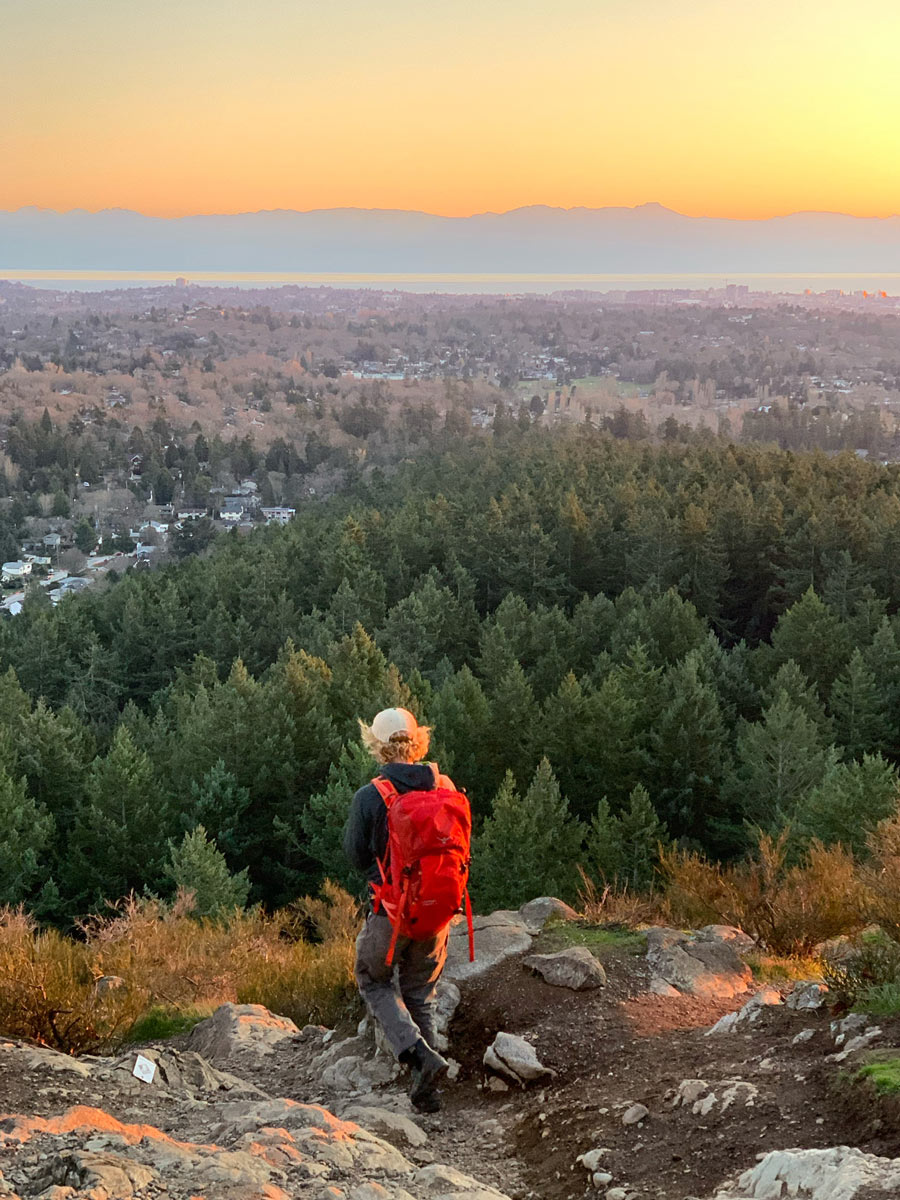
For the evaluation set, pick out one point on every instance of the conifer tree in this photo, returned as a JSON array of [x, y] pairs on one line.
[[860, 709], [779, 760], [196, 865], [849, 802], [218, 803], [688, 752], [790, 679], [323, 817], [640, 833], [528, 846], [509, 740], [25, 832], [812, 635], [121, 826], [461, 715]]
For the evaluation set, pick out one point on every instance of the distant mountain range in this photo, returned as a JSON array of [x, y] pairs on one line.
[[536, 240]]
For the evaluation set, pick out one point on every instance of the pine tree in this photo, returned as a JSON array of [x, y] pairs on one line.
[[323, 817], [461, 715], [25, 832], [197, 866], [565, 735], [688, 756], [121, 826], [860, 709], [603, 845], [508, 742], [218, 803], [779, 760], [815, 638], [790, 679], [640, 834], [849, 802], [527, 847]]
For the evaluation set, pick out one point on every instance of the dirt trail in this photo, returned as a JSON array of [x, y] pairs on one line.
[[612, 1047]]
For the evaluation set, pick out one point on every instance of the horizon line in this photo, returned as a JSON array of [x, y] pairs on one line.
[[557, 208]]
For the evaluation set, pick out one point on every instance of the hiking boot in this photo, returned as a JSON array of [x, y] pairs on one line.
[[427, 1068]]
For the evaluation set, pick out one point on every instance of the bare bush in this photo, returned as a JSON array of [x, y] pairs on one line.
[[789, 909]]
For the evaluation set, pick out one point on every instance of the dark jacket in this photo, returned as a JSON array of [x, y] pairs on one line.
[[365, 834]]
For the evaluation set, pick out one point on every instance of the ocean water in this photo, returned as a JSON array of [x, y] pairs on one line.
[[95, 281]]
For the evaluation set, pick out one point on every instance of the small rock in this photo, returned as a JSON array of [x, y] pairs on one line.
[[601, 1178], [591, 1159], [515, 1058], [619, 1193], [634, 1114], [803, 1036], [807, 996], [496, 1084]]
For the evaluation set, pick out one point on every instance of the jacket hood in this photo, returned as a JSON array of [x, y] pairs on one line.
[[409, 777]]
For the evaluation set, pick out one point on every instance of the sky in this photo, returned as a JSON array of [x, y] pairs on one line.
[[711, 107]]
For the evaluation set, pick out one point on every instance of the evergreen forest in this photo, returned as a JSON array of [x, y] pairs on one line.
[[618, 644]]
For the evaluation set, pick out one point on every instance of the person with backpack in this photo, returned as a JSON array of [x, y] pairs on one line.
[[409, 832]]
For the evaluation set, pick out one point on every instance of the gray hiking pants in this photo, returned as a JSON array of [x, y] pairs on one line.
[[401, 997]]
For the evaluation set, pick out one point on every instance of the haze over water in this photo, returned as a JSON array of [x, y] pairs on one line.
[[488, 284]]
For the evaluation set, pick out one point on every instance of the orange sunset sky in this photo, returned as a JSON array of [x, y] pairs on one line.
[[711, 107]]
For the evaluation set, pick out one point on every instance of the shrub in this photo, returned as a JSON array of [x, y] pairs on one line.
[[862, 977], [881, 876], [49, 992], [788, 909], [174, 967]]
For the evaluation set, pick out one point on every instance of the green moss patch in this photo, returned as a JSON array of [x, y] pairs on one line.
[[599, 939]]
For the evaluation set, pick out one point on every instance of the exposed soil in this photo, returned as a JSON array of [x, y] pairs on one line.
[[611, 1047]]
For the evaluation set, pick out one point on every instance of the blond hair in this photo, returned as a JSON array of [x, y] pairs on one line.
[[399, 748]]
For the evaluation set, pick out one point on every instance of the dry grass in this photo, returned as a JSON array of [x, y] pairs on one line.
[[789, 909], [298, 962], [619, 906]]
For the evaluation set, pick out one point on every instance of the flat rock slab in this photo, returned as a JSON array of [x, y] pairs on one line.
[[497, 937], [40, 1058], [697, 964], [236, 1027], [574, 968], [838, 1173]]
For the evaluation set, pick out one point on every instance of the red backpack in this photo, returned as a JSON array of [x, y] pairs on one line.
[[425, 871]]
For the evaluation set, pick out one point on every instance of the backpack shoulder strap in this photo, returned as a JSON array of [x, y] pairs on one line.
[[385, 789], [441, 781]]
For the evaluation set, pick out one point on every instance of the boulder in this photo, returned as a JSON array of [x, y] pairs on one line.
[[240, 1027], [736, 938], [697, 966], [699, 1097], [574, 968], [447, 1002], [512, 1056], [536, 913], [497, 937], [838, 1173]]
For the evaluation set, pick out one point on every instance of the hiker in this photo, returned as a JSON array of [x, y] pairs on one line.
[[412, 902]]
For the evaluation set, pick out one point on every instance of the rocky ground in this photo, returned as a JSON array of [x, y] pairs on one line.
[[649, 1068]]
